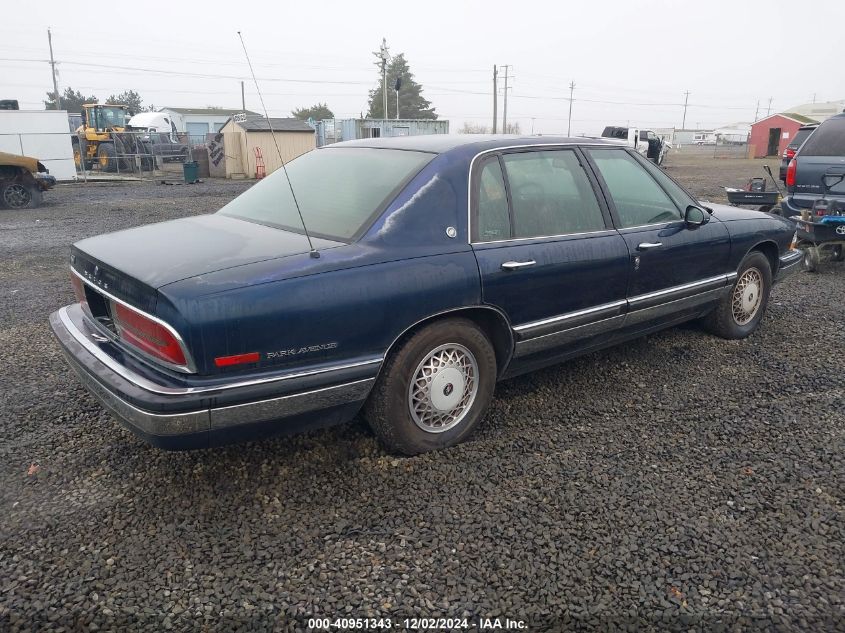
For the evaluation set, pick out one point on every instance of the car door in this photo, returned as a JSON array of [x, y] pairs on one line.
[[675, 268], [548, 255]]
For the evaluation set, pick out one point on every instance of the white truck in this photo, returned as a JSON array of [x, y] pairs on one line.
[[159, 135], [645, 142]]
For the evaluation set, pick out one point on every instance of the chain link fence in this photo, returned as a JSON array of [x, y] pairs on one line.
[[138, 154], [714, 149], [114, 155]]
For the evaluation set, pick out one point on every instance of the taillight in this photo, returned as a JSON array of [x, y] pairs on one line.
[[147, 335], [789, 153], [790, 172], [78, 289]]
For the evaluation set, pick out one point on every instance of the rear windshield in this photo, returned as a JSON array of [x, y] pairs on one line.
[[339, 190], [828, 140]]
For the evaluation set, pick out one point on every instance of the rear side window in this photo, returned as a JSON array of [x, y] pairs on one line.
[[493, 216], [638, 199], [828, 139], [800, 137]]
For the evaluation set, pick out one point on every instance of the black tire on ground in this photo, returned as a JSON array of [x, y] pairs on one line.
[[811, 259], [20, 195], [740, 311], [446, 346], [106, 157], [837, 253]]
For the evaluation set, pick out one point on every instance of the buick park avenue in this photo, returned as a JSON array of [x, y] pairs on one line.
[[428, 268]]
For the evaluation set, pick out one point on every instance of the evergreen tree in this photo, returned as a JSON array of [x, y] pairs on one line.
[[128, 98], [412, 105], [72, 100], [318, 112]]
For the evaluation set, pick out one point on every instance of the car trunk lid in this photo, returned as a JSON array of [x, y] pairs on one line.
[[136, 261]]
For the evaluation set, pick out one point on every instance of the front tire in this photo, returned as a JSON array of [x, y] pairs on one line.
[[106, 157], [19, 195], [434, 389], [739, 312]]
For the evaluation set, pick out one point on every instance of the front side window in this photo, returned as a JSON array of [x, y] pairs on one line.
[[638, 199], [550, 194], [339, 190]]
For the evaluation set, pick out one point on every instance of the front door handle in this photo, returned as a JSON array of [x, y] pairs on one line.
[[517, 265], [647, 246]]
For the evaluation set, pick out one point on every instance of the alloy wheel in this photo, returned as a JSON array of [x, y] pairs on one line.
[[16, 196]]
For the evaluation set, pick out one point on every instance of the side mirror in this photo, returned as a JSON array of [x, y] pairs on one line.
[[695, 216]]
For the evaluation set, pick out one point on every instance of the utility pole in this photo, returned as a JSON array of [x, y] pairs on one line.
[[686, 99], [814, 97], [53, 66], [569, 124], [769, 109], [495, 99], [243, 98], [505, 105], [757, 110], [384, 75]]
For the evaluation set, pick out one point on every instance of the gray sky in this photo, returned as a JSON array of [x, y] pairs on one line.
[[640, 55]]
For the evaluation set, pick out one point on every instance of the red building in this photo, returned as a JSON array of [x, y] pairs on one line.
[[771, 135]]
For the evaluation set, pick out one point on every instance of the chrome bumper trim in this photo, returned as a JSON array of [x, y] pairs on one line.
[[287, 406], [204, 420], [152, 387], [789, 264]]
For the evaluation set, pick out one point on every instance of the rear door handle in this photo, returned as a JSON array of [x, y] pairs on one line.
[[517, 265], [647, 246]]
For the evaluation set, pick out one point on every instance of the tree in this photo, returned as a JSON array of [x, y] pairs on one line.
[[317, 112], [72, 100], [128, 98], [412, 105]]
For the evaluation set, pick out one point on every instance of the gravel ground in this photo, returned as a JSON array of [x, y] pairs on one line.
[[679, 482]]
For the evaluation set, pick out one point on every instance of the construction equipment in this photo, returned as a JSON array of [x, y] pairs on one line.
[[101, 139]]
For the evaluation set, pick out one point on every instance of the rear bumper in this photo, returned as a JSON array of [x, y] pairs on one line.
[[181, 417], [790, 263]]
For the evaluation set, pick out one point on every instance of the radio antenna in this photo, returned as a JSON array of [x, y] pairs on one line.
[[313, 251]]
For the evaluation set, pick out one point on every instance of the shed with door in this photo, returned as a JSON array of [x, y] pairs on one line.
[[771, 135], [249, 141]]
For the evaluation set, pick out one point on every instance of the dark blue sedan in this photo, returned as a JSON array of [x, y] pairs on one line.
[[436, 266]]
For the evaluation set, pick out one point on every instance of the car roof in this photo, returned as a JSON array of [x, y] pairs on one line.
[[441, 143]]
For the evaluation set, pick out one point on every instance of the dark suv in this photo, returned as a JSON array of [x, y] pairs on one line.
[[823, 153], [801, 135]]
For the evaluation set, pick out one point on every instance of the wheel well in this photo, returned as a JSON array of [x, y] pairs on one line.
[[491, 321], [770, 250]]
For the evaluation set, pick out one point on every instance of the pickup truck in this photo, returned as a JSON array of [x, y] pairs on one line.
[[645, 142]]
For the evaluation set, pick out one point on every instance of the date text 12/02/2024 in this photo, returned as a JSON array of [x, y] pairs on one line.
[[376, 624]]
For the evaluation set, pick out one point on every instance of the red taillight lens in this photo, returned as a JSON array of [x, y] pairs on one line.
[[147, 335], [790, 172], [78, 289]]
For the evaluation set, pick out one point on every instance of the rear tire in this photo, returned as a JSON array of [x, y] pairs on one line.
[[740, 311], [434, 388]]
